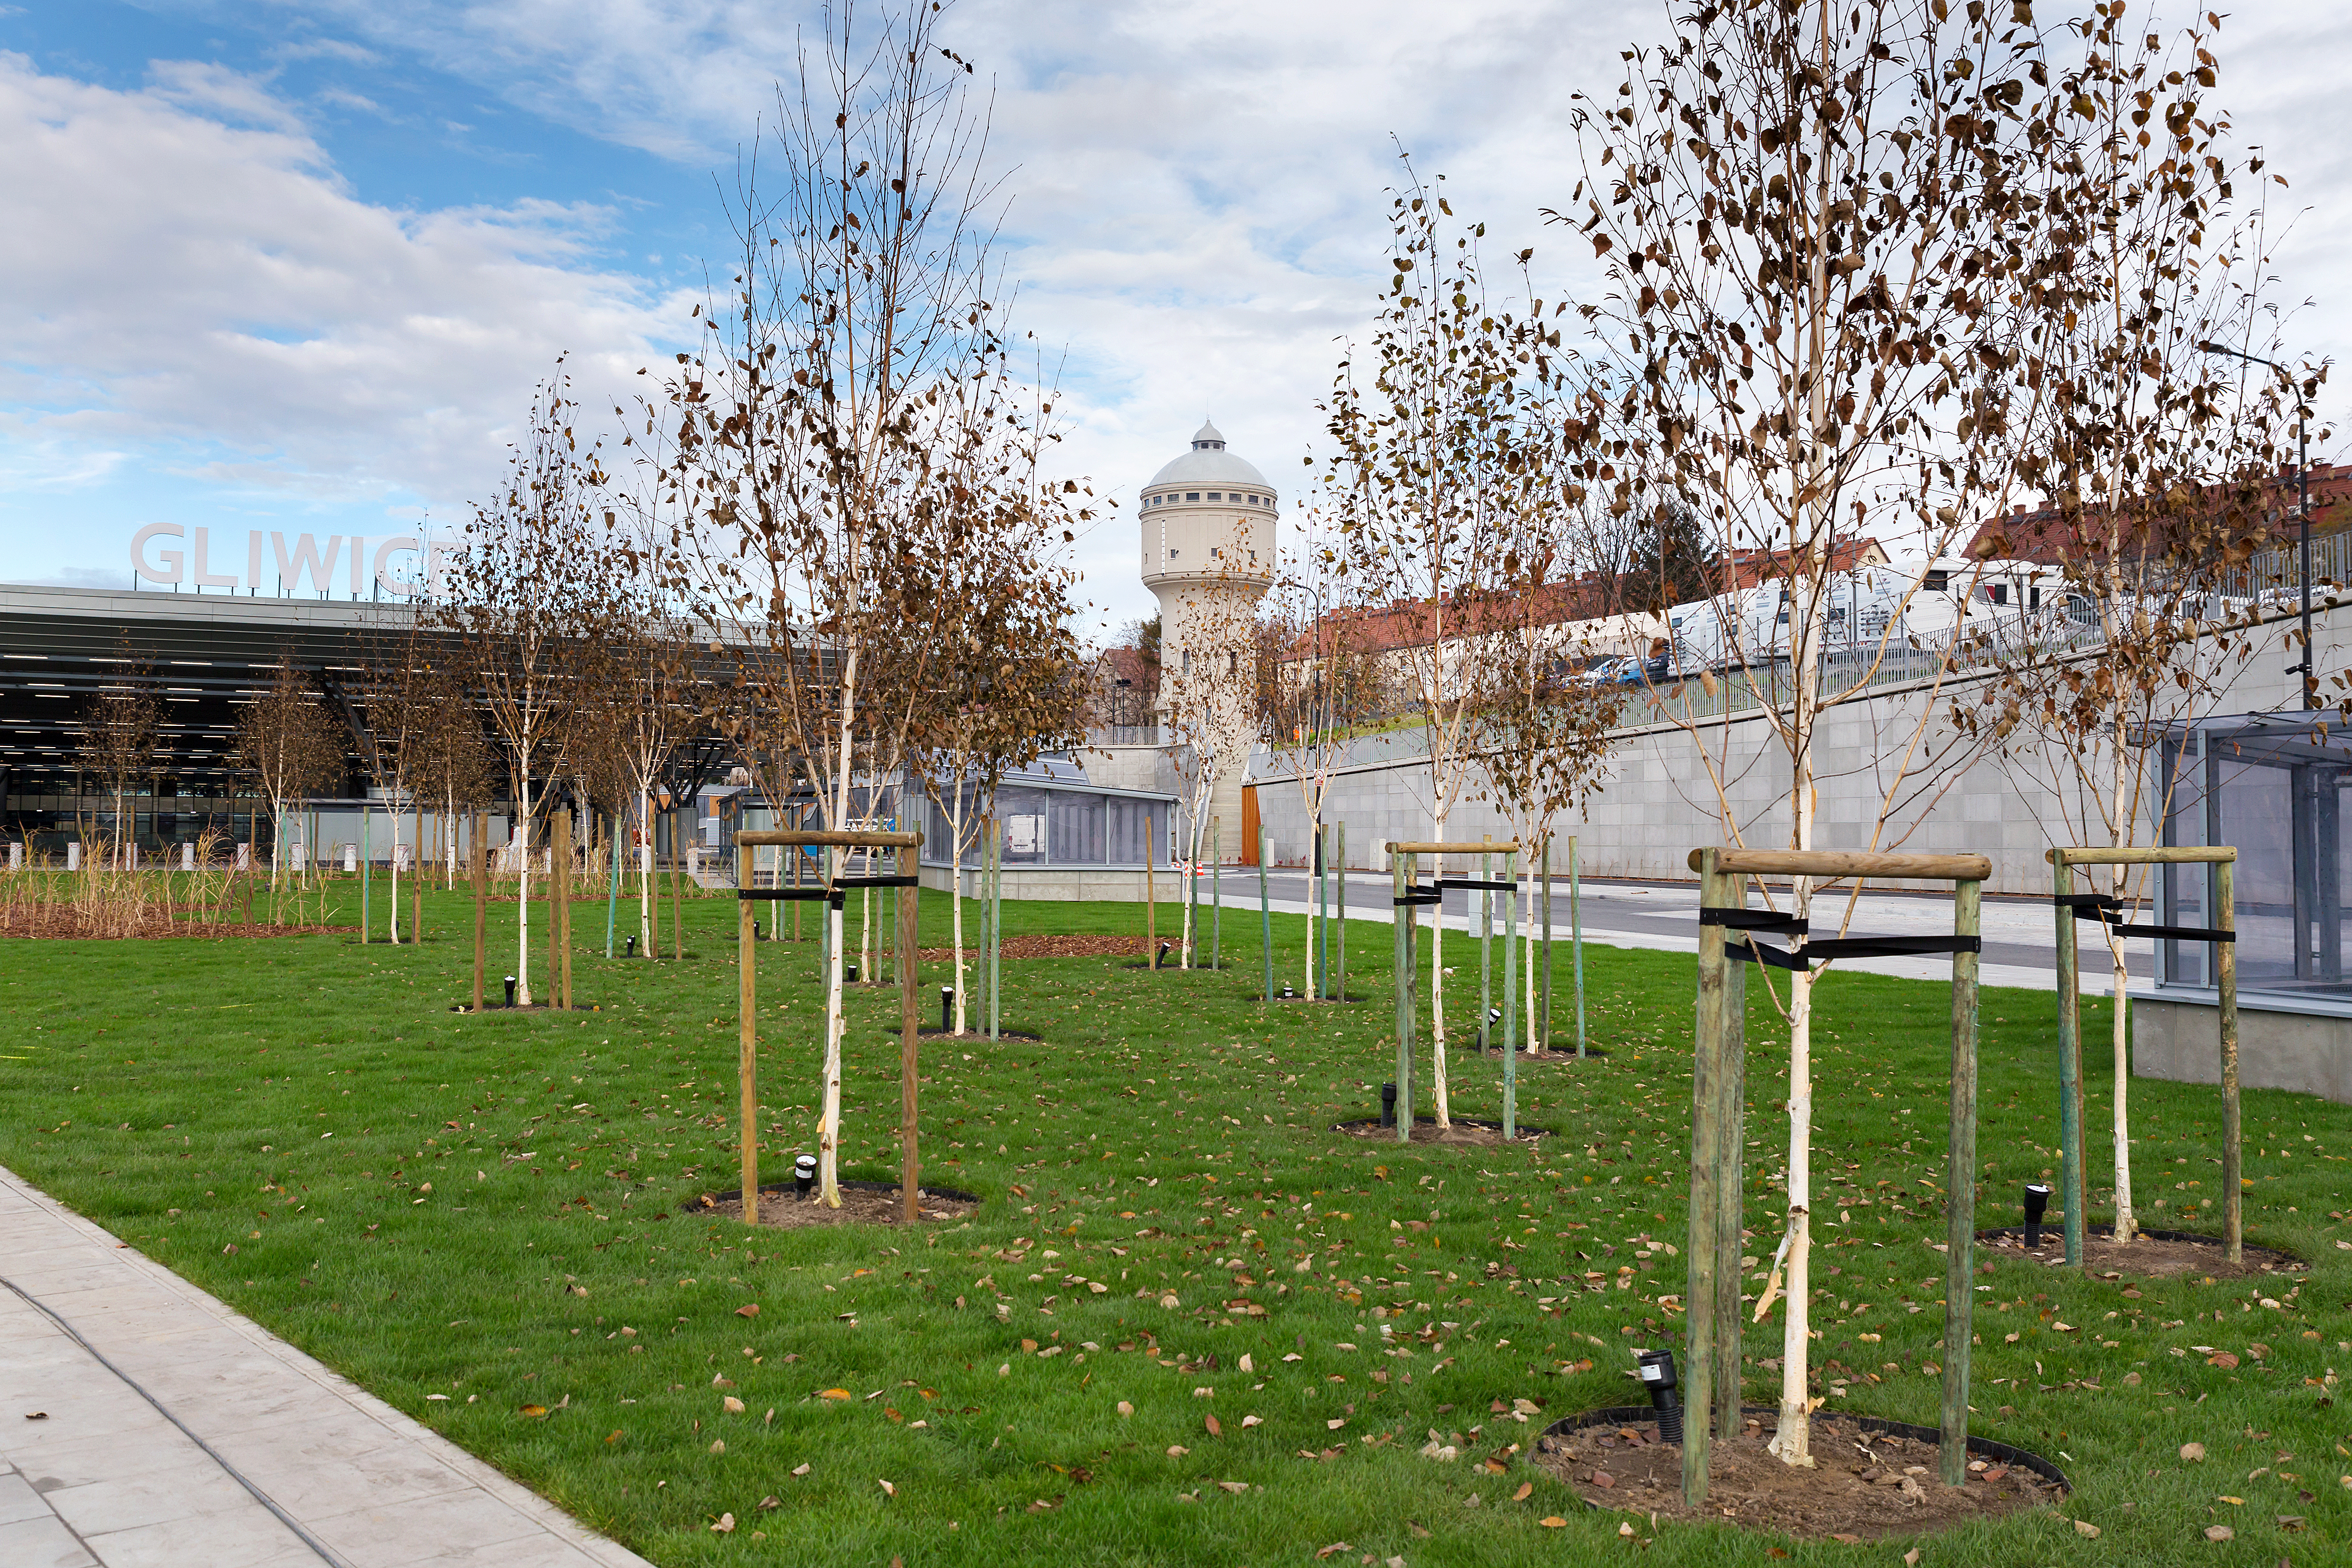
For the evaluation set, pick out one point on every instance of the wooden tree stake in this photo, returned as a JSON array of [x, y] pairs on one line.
[[910, 912], [747, 1033], [1960, 1189]]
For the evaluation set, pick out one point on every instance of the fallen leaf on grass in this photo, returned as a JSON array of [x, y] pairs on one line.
[[534, 1411], [1553, 1522], [888, 1489], [2190, 1453], [801, 1468], [1249, 1421], [835, 1394], [1236, 1487], [1527, 1489], [2222, 1359], [719, 1447], [1911, 1558], [2085, 1528], [1214, 1430], [732, 1406], [725, 1524], [771, 1502], [2219, 1532], [1125, 1409], [748, 1310], [1333, 1549], [1177, 1450]]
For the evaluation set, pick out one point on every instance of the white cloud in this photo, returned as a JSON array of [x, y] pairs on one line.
[[169, 280]]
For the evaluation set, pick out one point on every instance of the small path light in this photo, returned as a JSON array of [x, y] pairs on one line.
[[1288, 995], [1162, 961], [2037, 1203], [849, 973], [803, 1176], [632, 946], [947, 1003], [755, 931], [510, 986], [1658, 1376], [1388, 1104]]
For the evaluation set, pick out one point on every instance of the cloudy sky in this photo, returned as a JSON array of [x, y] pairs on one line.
[[294, 264]]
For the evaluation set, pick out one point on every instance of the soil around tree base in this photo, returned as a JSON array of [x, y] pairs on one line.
[[1047, 944], [1869, 1479], [1466, 1132], [862, 1203], [2150, 1255], [1552, 1058]]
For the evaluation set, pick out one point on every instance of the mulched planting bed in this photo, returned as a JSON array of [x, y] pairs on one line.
[[1465, 1131], [932, 1031], [1540, 1058], [1867, 1481], [2150, 1255], [50, 928], [862, 1203]]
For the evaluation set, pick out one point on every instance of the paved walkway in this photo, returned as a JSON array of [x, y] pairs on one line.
[[91, 1473]]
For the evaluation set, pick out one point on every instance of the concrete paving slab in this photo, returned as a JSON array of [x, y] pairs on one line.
[[106, 1481]]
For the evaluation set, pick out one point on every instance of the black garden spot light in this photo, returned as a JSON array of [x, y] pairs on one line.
[[632, 946], [1388, 1104], [947, 1004], [2037, 1203], [803, 1176], [510, 986], [1162, 962], [755, 931], [1288, 995], [849, 973], [1657, 1369]]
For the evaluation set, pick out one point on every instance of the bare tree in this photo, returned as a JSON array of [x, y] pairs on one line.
[[1430, 463], [2160, 455], [849, 423], [291, 749], [399, 698], [516, 597], [122, 734]]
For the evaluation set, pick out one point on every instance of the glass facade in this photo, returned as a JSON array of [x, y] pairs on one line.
[[1055, 822], [2272, 786]]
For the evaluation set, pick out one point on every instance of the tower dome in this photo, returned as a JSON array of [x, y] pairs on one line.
[[1210, 464]]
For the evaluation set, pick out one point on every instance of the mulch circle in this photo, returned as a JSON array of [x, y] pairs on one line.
[[934, 1032], [2150, 1255], [489, 1008], [1466, 1131], [862, 1203], [1870, 1478], [1326, 1002]]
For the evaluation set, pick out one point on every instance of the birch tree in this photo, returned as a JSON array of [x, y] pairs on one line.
[[2161, 455], [515, 596], [854, 385], [1431, 426], [291, 747], [1819, 240]]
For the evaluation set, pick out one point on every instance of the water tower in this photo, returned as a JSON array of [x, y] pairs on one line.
[[1208, 557]]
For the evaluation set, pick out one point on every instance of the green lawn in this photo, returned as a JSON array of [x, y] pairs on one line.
[[473, 1217]]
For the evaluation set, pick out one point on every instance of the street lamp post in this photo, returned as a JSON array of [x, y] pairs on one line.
[[2303, 505]]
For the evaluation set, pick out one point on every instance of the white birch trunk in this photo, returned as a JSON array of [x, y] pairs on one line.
[[522, 897]]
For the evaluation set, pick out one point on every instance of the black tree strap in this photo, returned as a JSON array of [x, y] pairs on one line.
[[1473, 883], [2108, 910], [1417, 893], [1750, 919], [1760, 953], [783, 894], [873, 882], [1890, 946]]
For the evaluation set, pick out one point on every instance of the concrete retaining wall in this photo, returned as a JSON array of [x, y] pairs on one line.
[[2181, 1040]]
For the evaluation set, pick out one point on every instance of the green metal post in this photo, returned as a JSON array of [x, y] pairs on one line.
[[367, 835], [1265, 917], [1339, 991], [1402, 873], [1730, 1182], [2233, 1212], [996, 935], [1510, 1000], [1485, 950], [1576, 937], [1216, 893], [1543, 1021], [1323, 904], [2070, 1062], [1961, 1190]]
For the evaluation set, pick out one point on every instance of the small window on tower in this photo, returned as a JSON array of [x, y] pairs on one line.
[[1216, 496], [1215, 553], [1191, 495]]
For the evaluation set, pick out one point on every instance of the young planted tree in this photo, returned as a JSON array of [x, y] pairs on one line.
[[291, 749], [459, 768], [1439, 436], [1821, 231], [2161, 457], [518, 598], [1010, 688], [122, 737], [1313, 683], [399, 698], [822, 448]]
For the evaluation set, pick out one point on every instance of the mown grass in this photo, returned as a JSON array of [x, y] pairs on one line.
[[265, 1117]]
